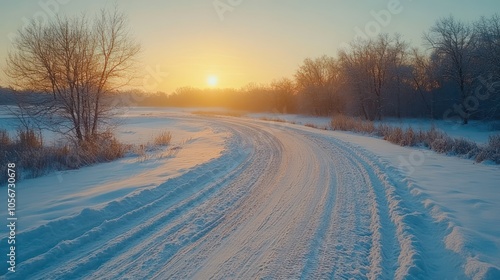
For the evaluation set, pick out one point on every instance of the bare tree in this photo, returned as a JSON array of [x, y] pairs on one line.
[[455, 42], [355, 65], [424, 78], [398, 69], [319, 80], [79, 64], [372, 66], [284, 95], [488, 35], [488, 53]]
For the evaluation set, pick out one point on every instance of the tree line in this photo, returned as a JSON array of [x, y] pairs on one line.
[[455, 75], [82, 65]]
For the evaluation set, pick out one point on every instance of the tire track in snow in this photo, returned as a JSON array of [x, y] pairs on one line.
[[281, 203], [160, 247], [417, 251], [292, 223], [349, 245], [169, 199]]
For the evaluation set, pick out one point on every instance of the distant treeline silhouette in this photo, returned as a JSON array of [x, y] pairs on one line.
[[457, 76]]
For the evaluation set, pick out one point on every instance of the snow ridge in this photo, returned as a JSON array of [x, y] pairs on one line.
[[414, 223], [66, 237]]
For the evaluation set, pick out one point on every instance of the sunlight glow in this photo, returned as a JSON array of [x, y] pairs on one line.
[[212, 80]]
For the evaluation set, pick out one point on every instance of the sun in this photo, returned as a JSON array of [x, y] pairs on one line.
[[212, 80]]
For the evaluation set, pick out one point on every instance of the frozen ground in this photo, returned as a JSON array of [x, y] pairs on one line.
[[239, 198]]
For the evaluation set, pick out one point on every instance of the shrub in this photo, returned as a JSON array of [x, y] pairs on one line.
[[62, 157], [163, 138], [432, 135], [433, 138], [409, 138], [463, 146], [4, 138], [442, 145], [491, 151], [345, 123], [494, 143], [35, 162], [26, 151], [483, 154], [395, 135], [384, 130], [28, 139], [340, 122], [420, 137], [112, 149], [102, 148], [34, 159], [367, 127]]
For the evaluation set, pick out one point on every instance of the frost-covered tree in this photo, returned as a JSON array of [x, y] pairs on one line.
[[488, 37], [488, 53], [284, 91], [80, 63], [455, 42], [355, 64], [423, 79], [319, 81], [373, 67]]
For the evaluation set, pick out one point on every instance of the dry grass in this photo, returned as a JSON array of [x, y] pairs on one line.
[[494, 143], [464, 148], [104, 148], [34, 159], [29, 139], [163, 138], [492, 151], [346, 123], [433, 138], [4, 138], [316, 126]]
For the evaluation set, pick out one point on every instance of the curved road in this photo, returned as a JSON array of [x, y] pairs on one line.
[[282, 202]]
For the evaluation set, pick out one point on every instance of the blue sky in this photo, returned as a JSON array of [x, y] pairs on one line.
[[254, 41]]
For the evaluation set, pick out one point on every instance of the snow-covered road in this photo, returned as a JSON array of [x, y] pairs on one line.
[[281, 202], [313, 208]]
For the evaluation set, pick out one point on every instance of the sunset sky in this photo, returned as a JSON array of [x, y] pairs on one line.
[[191, 43]]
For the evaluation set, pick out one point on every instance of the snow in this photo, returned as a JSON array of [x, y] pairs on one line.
[[476, 131], [66, 193], [8, 122], [463, 197], [11, 124], [247, 198]]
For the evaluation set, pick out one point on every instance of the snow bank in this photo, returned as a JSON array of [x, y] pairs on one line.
[[463, 197], [66, 193]]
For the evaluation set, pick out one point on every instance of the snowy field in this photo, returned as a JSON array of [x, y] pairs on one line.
[[242, 198]]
